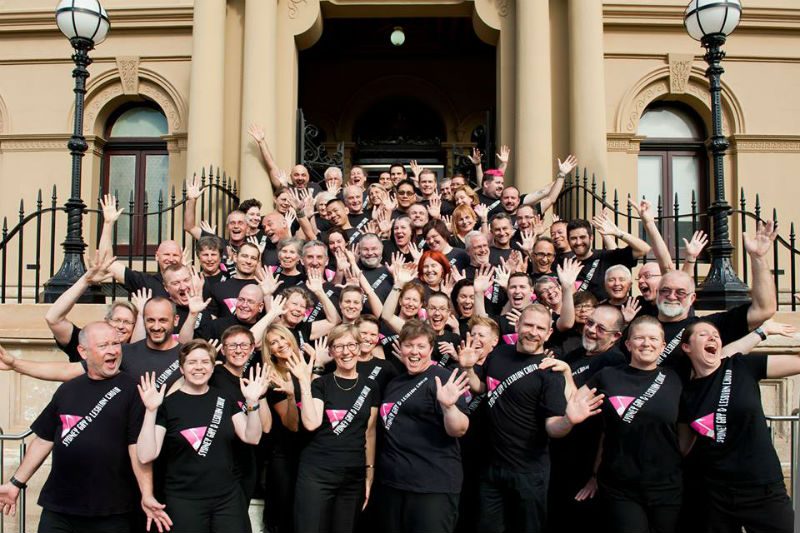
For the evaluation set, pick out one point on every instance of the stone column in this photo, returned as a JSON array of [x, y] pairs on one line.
[[258, 95], [206, 86], [587, 85], [532, 154]]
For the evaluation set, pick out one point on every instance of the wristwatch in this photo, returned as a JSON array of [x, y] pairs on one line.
[[17, 483], [761, 333]]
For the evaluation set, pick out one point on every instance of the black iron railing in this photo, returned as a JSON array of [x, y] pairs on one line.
[[220, 196], [585, 197]]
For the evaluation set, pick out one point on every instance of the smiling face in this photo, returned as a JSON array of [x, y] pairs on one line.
[[315, 257], [406, 197], [432, 272], [645, 344], [461, 197], [648, 280], [168, 253], [253, 217], [351, 305], [123, 321], [385, 181], [237, 350], [600, 331], [502, 232], [289, 257], [533, 329], [345, 351], [466, 301], [484, 339], [336, 242], [209, 260], [618, 285], [675, 295], [427, 183], [524, 217], [357, 176], [438, 312], [402, 232], [520, 292], [275, 227], [580, 241], [410, 303], [102, 351], [353, 199], [370, 251], [478, 250], [247, 260], [418, 215], [279, 346], [465, 223], [159, 322], [370, 337], [544, 255], [337, 214], [237, 226], [510, 199], [177, 284], [416, 354], [296, 308], [249, 304], [704, 348], [558, 232], [549, 293], [197, 367], [299, 176], [283, 202], [397, 174], [435, 241]]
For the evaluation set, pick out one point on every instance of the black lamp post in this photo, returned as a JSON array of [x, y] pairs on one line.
[[85, 23], [710, 22]]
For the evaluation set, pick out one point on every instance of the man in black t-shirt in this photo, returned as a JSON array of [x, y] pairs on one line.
[[370, 259], [525, 405], [91, 426], [223, 295], [596, 262]]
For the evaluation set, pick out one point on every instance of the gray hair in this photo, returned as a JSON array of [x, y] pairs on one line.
[[471, 235], [619, 268], [311, 244], [330, 171]]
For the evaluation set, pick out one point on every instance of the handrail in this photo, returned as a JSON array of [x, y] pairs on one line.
[[22, 501]]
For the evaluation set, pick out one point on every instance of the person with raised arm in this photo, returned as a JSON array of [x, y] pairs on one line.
[[299, 176], [194, 430]]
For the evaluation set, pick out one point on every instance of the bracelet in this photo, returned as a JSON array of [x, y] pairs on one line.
[[251, 408], [370, 466], [690, 262], [397, 288], [621, 234], [17, 483], [318, 370], [301, 214], [761, 333]]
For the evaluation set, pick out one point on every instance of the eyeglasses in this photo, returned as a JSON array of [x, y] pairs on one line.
[[339, 348], [667, 291], [601, 329], [584, 307], [541, 255], [120, 322], [405, 193], [238, 345]]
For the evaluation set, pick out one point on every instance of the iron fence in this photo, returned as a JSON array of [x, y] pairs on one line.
[[583, 197], [22, 444], [135, 245]]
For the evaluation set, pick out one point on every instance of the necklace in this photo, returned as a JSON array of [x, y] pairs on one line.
[[353, 386]]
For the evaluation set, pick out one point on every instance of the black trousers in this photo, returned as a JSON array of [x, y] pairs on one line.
[[53, 522], [642, 510], [402, 511], [225, 514], [513, 501], [328, 499], [762, 509], [281, 476]]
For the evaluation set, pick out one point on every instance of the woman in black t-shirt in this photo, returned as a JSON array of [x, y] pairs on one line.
[[195, 428], [639, 471], [732, 445], [423, 414], [340, 409], [288, 268]]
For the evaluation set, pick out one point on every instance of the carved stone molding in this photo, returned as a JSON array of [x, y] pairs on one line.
[[655, 90], [766, 143], [34, 143], [128, 67], [680, 66], [294, 7], [502, 7], [623, 142]]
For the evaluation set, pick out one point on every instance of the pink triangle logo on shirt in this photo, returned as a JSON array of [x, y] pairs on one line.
[[329, 274], [67, 422], [240, 404], [335, 416], [492, 383], [273, 268], [578, 285], [385, 408], [231, 304], [489, 292], [704, 425], [620, 403], [194, 436], [223, 267], [308, 312], [510, 338], [422, 314], [299, 405]]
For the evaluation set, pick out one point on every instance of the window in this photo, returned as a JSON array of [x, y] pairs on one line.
[[136, 164], [673, 161]]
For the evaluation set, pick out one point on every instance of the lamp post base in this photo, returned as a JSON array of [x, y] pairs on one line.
[[722, 288], [69, 273]]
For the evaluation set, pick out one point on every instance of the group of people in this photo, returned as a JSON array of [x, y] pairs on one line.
[[418, 354]]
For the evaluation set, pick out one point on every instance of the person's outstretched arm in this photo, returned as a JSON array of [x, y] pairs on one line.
[[660, 248], [37, 452], [276, 178], [193, 192], [44, 370], [764, 303], [606, 226]]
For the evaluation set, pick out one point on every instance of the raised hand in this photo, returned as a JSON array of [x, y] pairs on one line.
[[448, 394], [193, 188], [198, 281], [502, 273], [528, 239], [695, 246], [208, 228], [539, 226], [295, 199], [290, 216], [332, 187], [568, 272], [415, 167], [402, 274], [630, 309], [415, 252], [644, 210], [299, 368], [583, 403], [280, 384], [151, 395], [268, 283], [99, 266], [6, 360], [456, 275], [196, 303], [483, 279], [568, 165], [255, 242], [504, 154], [140, 297], [256, 132], [108, 204], [8, 499], [773, 327], [255, 385], [604, 224], [467, 354], [314, 280], [513, 316], [759, 245], [448, 221], [447, 348], [319, 353], [475, 157], [277, 309], [482, 211], [389, 202], [216, 344], [186, 256], [556, 365], [435, 206], [154, 511]]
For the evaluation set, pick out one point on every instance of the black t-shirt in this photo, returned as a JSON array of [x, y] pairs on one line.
[[341, 439], [281, 440], [585, 366], [724, 410], [302, 333], [224, 296], [91, 423], [183, 315], [317, 312], [732, 325], [213, 329], [390, 248], [198, 445], [135, 280], [593, 272], [458, 258], [520, 399], [444, 360], [138, 358], [71, 348], [359, 221], [380, 279], [495, 254], [378, 370], [494, 204], [640, 416], [418, 455]]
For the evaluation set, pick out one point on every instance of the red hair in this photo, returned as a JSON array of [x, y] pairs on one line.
[[439, 257]]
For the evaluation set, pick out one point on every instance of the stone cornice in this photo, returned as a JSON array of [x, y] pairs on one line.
[[654, 15], [34, 142], [123, 18], [747, 143]]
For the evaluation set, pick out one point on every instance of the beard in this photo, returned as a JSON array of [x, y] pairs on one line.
[[670, 310], [373, 262]]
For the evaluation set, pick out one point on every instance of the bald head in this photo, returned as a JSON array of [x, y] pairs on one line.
[[168, 253]]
